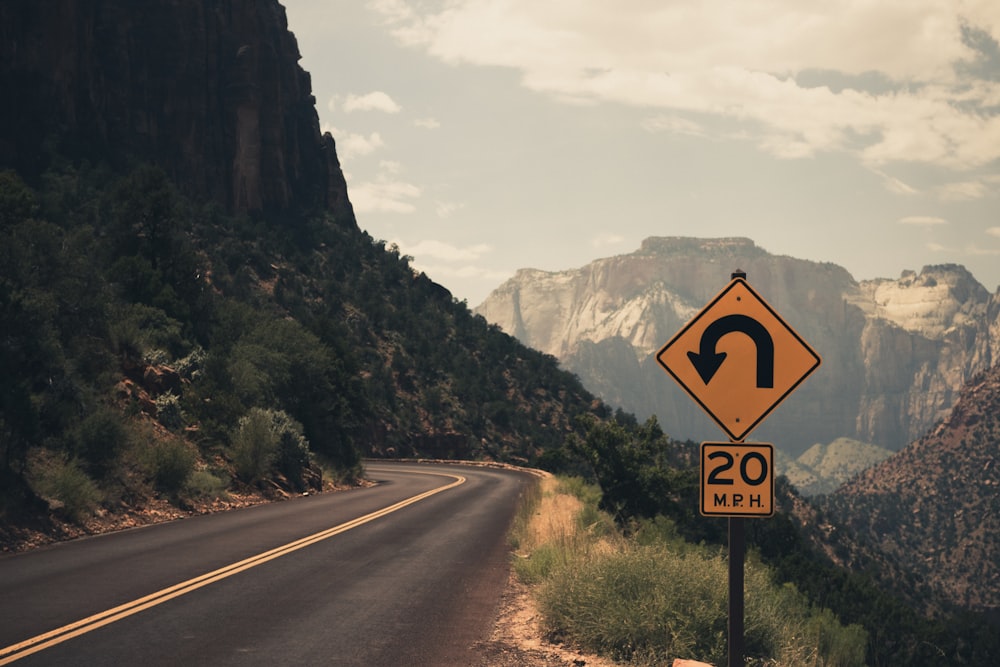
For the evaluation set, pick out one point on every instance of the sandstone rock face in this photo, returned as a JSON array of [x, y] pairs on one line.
[[895, 352], [210, 91]]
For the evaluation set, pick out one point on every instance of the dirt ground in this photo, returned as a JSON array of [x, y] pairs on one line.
[[518, 640]]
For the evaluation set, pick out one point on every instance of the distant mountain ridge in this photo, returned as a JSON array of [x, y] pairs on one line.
[[895, 352], [823, 468]]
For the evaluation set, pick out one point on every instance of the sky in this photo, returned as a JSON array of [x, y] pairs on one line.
[[486, 136]]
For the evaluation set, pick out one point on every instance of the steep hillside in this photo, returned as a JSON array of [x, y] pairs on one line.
[[935, 506], [895, 352], [189, 309]]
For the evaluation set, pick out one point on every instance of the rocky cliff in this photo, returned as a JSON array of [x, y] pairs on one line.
[[211, 91], [895, 352]]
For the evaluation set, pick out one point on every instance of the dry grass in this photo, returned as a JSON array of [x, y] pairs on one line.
[[555, 519]]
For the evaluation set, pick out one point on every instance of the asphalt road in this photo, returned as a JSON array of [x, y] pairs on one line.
[[376, 576]]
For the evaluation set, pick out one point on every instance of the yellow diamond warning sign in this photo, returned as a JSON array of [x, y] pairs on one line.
[[737, 479], [738, 359]]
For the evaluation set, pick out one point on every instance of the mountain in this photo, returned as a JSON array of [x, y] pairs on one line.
[[895, 352], [935, 505], [824, 468], [209, 91], [189, 310]]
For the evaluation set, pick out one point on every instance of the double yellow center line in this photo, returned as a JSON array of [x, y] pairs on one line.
[[46, 640]]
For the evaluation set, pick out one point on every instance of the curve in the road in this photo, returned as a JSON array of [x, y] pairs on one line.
[[46, 640]]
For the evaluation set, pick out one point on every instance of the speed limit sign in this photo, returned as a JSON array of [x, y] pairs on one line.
[[737, 479]]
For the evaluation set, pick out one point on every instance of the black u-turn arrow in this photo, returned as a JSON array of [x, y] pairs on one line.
[[707, 361]]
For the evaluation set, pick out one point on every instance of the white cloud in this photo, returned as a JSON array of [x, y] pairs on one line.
[[446, 251], [444, 209], [467, 273], [894, 185], [968, 190], [374, 101], [449, 263], [386, 193], [923, 220], [739, 60], [673, 124], [605, 240], [384, 196], [427, 123], [994, 231], [975, 250], [352, 145]]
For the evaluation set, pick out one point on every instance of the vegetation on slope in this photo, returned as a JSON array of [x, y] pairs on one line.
[[935, 506], [152, 345]]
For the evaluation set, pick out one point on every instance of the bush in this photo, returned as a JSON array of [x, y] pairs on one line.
[[169, 412], [100, 440], [66, 482], [204, 484], [266, 439], [254, 446], [169, 462]]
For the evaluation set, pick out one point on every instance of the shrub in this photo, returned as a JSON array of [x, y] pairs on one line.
[[266, 439], [169, 412], [101, 438], [254, 446], [204, 484], [169, 463], [66, 482]]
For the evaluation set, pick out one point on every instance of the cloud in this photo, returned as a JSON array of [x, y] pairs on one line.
[[427, 123], [444, 209], [445, 251], [374, 101], [979, 251], [994, 231], [448, 263], [894, 185], [968, 190], [351, 145], [934, 102], [673, 124], [385, 193], [605, 240], [922, 220]]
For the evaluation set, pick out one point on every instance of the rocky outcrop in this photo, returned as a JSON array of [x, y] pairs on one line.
[[895, 352], [210, 91]]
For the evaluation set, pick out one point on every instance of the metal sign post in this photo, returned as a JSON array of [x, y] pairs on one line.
[[738, 380], [737, 554]]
